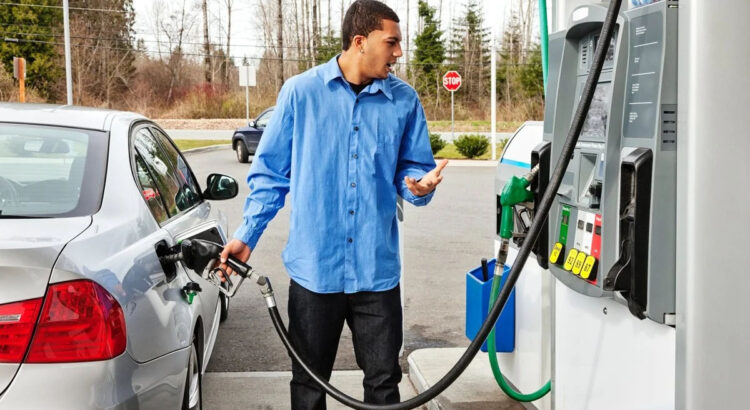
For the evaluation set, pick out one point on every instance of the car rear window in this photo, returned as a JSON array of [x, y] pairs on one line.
[[50, 171]]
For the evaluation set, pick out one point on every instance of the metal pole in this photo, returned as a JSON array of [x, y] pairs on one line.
[[68, 70], [247, 103], [493, 92], [453, 137]]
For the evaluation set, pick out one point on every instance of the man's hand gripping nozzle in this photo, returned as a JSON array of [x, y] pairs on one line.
[[514, 192], [203, 257]]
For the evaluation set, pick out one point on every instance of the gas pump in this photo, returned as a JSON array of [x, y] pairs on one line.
[[609, 242]]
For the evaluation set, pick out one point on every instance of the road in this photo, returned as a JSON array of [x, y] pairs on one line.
[[442, 241]]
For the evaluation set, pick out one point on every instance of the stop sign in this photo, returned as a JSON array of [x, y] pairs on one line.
[[452, 80]]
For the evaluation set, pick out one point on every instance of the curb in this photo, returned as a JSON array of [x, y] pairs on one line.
[[206, 148]]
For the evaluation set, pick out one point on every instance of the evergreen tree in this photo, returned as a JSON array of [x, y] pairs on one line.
[[430, 51], [532, 79], [518, 79], [33, 26], [470, 53], [329, 47]]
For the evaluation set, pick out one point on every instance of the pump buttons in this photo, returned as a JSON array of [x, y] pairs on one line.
[[557, 250], [570, 260], [589, 268], [578, 264]]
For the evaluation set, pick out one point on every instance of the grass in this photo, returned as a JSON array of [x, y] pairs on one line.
[[473, 126], [450, 152], [184, 144]]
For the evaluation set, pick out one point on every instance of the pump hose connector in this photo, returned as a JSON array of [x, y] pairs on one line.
[[531, 176]]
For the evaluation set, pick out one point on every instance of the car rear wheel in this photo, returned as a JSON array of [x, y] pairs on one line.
[[241, 150], [193, 393]]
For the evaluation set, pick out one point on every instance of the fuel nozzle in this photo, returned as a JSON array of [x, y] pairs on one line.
[[514, 192], [202, 256]]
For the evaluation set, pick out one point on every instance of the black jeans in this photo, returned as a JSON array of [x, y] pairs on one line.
[[315, 324]]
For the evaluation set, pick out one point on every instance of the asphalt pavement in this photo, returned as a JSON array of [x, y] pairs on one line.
[[442, 241]]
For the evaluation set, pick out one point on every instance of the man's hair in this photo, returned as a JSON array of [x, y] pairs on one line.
[[364, 17]]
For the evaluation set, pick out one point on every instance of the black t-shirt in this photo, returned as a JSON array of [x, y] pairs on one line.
[[357, 88]]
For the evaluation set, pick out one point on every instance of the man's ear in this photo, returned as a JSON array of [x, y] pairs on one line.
[[358, 42]]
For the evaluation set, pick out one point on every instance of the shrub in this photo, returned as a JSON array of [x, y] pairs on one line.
[[472, 145], [436, 143]]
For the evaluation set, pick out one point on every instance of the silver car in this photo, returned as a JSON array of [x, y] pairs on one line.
[[89, 316]]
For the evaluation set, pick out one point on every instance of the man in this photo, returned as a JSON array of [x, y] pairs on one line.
[[345, 138]]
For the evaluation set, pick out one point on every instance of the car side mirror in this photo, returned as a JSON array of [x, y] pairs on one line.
[[220, 187], [251, 123]]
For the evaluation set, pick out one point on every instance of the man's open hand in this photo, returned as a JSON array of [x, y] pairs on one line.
[[428, 182]]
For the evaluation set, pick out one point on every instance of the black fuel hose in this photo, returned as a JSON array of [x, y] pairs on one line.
[[523, 253]]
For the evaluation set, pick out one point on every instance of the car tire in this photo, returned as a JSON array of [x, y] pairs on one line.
[[193, 395], [241, 149], [224, 304]]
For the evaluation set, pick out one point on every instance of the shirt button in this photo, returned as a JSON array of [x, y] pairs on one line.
[[351, 212], [350, 240], [356, 128], [354, 184], [355, 156]]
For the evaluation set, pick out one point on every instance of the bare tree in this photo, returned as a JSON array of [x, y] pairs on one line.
[[227, 64], [175, 28], [206, 44], [306, 31], [280, 24], [316, 31], [526, 10], [408, 72], [296, 29]]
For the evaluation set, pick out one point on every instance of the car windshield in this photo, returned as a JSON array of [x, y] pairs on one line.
[[50, 171]]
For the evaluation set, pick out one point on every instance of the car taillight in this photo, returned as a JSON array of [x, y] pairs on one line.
[[80, 322], [17, 322]]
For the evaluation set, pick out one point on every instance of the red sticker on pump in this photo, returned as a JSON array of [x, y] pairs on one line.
[[596, 241]]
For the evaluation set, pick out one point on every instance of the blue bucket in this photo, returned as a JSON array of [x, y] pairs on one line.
[[477, 305]]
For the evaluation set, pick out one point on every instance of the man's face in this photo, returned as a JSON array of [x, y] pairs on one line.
[[381, 50]]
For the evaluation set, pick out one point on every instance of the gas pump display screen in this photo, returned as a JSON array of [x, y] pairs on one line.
[[596, 120]]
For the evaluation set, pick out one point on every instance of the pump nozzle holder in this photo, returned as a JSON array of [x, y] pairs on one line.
[[514, 192]]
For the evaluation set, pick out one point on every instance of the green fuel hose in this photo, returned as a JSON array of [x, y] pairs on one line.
[[492, 353], [491, 345], [544, 38]]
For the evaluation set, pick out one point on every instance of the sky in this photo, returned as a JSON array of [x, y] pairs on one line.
[[246, 36]]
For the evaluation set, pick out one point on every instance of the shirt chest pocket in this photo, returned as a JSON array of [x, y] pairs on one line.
[[389, 137]]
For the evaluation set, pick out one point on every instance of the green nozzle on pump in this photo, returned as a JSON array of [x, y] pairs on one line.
[[514, 192]]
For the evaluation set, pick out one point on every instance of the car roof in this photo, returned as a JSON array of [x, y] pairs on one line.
[[60, 115]]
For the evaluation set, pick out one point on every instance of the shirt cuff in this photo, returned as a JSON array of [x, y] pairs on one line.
[[411, 198], [422, 200], [248, 234]]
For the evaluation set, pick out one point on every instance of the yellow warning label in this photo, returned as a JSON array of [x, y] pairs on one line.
[[570, 259], [556, 251], [578, 264], [588, 268]]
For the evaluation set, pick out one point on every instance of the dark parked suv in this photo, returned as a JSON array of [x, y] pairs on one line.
[[245, 140]]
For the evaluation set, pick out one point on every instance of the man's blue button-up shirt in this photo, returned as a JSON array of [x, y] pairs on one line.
[[343, 157]]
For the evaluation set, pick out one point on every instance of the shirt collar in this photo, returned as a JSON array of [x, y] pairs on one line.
[[331, 71]]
